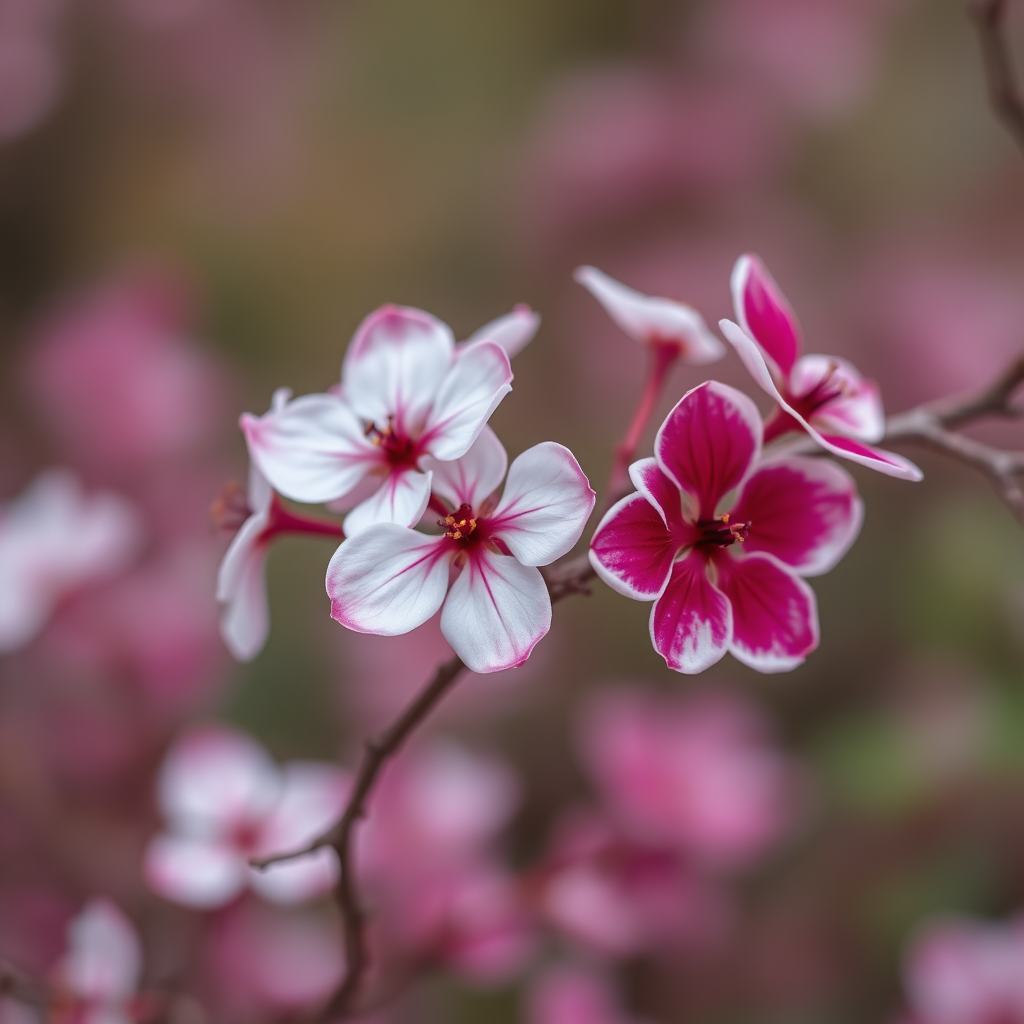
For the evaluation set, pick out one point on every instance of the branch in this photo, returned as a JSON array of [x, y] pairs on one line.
[[1003, 93], [569, 578]]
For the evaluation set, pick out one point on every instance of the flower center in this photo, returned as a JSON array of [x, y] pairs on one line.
[[830, 387], [399, 450], [459, 525], [720, 533]]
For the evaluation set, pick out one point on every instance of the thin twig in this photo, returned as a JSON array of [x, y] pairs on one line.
[[1004, 95]]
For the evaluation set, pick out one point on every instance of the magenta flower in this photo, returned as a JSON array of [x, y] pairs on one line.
[[822, 395], [960, 971], [102, 967], [653, 321], [225, 802], [406, 394], [391, 579], [726, 580]]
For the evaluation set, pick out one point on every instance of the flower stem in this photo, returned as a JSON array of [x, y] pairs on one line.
[[284, 520]]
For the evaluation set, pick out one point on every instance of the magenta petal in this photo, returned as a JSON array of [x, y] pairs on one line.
[[775, 616], [805, 512], [867, 455], [691, 623], [632, 550], [708, 442], [764, 313], [660, 491]]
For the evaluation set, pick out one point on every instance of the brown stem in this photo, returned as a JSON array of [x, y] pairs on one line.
[[1004, 95]]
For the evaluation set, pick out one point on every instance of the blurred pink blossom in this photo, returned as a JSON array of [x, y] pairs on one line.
[[697, 773], [115, 376], [225, 801], [574, 995], [54, 540], [960, 971]]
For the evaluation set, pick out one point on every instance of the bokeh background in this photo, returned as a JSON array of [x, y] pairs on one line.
[[201, 199]]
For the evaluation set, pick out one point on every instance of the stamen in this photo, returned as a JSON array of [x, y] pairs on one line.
[[722, 533], [460, 524]]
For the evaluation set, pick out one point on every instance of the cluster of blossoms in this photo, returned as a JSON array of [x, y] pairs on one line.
[[721, 532]]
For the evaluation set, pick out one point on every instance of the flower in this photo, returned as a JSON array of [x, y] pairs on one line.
[[100, 971], [822, 395], [726, 581], [653, 321], [390, 579], [575, 995], [960, 971], [55, 539], [406, 394], [698, 775], [225, 802]]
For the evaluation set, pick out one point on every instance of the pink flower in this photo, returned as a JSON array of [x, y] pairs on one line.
[[822, 395], [697, 775], [574, 995], [225, 802], [726, 581], [406, 394], [653, 321], [102, 967], [54, 540], [391, 579], [966, 972]]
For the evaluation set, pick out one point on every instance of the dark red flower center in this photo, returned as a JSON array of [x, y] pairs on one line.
[[720, 533], [830, 387], [399, 449], [460, 525]]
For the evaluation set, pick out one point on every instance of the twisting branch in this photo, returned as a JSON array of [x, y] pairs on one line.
[[1004, 95], [933, 426]]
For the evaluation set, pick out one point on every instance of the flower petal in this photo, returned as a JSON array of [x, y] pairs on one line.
[[546, 503], [631, 549], [395, 365], [805, 512], [312, 798], [496, 612], [653, 320], [193, 872], [299, 879], [775, 615], [402, 498], [479, 379], [660, 491], [691, 622], [104, 958], [242, 587], [474, 477], [388, 580], [845, 447], [313, 449], [856, 411], [708, 442], [214, 779], [764, 313], [513, 331]]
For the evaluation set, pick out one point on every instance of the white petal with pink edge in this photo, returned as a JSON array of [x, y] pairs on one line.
[[845, 447], [104, 958], [857, 408], [661, 491], [496, 612], [388, 580], [775, 615], [474, 477], [709, 442], [513, 331], [631, 549], [199, 874], [806, 512], [312, 449], [546, 503], [653, 320], [241, 586], [402, 498], [691, 622], [215, 778], [765, 315], [395, 365], [479, 379], [299, 879]]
